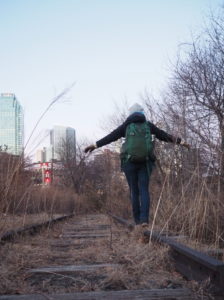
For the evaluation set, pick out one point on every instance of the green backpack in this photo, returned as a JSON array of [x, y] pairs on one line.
[[138, 144]]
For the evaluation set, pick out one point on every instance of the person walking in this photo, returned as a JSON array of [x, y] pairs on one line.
[[137, 157]]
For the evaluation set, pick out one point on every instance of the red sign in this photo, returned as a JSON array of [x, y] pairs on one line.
[[47, 176]]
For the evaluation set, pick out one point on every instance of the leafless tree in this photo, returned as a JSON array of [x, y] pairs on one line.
[[196, 96], [73, 162]]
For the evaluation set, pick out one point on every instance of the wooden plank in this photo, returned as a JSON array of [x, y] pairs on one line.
[[83, 230], [85, 236], [66, 246], [91, 228], [60, 245], [84, 233], [72, 268], [154, 294], [178, 237], [90, 232]]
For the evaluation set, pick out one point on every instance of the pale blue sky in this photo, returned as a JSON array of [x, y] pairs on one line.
[[112, 49]]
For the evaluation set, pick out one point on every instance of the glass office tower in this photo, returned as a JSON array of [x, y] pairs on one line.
[[11, 124]]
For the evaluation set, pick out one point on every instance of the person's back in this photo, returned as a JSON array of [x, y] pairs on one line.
[[138, 143], [137, 157]]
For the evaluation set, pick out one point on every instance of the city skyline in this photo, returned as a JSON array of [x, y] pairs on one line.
[[12, 131], [113, 50]]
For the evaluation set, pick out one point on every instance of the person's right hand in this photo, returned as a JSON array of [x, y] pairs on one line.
[[90, 148]]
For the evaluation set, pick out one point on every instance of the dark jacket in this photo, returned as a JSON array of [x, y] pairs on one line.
[[119, 132]]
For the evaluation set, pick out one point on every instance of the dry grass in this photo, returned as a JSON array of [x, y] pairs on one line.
[[41, 204], [140, 265], [191, 207], [12, 222]]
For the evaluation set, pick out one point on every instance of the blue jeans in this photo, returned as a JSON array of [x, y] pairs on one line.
[[138, 175]]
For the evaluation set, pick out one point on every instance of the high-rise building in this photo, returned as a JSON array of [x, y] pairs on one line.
[[11, 124], [39, 157], [43, 155], [63, 140], [48, 153]]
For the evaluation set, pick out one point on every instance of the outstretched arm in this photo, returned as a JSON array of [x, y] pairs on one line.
[[111, 137], [164, 136]]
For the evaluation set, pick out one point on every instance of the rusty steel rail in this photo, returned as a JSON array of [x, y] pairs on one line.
[[31, 229], [191, 263]]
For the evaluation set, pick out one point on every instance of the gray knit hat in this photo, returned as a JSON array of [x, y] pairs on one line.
[[135, 108]]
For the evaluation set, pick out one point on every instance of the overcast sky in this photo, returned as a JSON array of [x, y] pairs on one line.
[[112, 49]]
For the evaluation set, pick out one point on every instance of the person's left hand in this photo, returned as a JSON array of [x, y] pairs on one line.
[[186, 145]]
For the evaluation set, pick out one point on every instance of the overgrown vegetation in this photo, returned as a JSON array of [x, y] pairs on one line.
[[154, 268], [187, 187]]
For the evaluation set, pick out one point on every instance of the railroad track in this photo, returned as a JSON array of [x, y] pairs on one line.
[[78, 260], [191, 263], [31, 229]]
